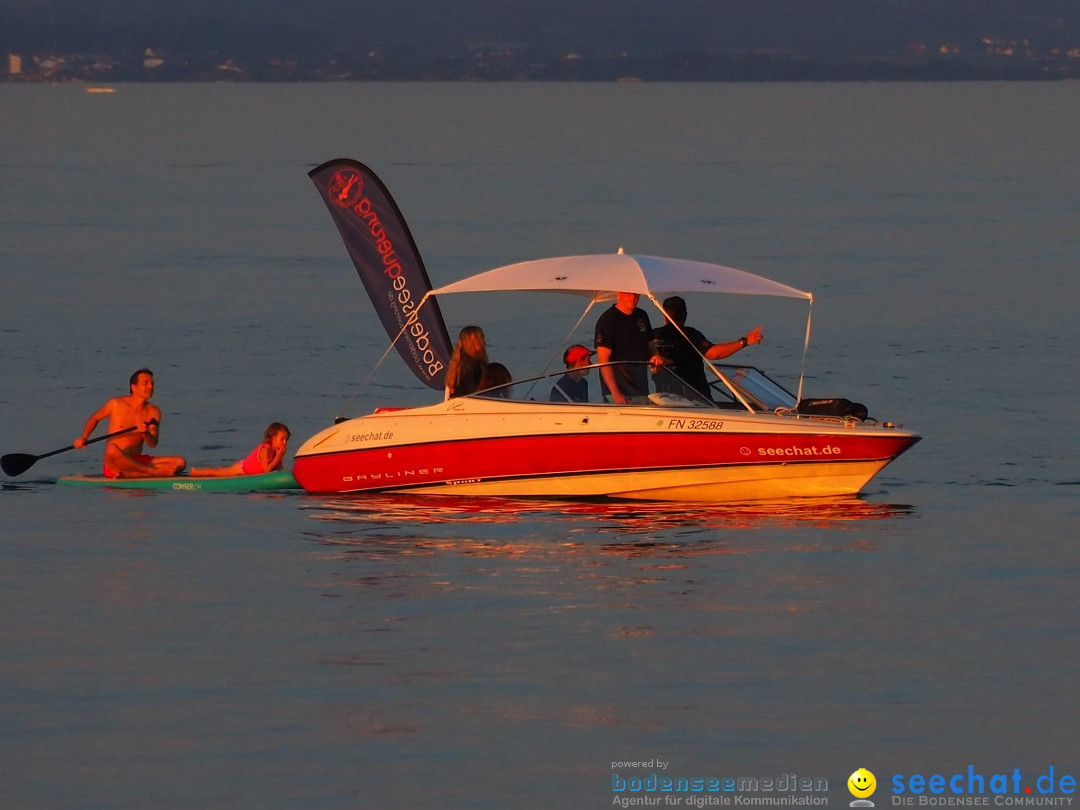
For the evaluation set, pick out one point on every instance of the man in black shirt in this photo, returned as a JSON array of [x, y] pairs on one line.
[[623, 332], [684, 353]]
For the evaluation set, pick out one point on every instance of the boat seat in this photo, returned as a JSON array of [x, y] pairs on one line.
[[668, 399]]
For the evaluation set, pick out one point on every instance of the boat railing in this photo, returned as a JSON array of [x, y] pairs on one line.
[[768, 395], [665, 389], [742, 388]]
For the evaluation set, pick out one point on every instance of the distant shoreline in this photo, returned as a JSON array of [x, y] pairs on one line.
[[746, 67], [96, 85]]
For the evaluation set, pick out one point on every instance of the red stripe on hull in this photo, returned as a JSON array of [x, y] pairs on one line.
[[529, 457]]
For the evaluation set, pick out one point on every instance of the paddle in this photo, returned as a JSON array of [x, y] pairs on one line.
[[17, 463]]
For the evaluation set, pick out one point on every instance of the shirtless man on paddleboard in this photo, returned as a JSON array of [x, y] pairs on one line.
[[124, 457]]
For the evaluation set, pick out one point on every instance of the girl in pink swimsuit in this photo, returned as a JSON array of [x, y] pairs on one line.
[[267, 457]]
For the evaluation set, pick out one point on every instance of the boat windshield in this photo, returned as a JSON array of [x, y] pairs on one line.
[[666, 389], [761, 391]]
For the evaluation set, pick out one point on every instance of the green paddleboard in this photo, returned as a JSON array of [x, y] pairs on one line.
[[282, 479]]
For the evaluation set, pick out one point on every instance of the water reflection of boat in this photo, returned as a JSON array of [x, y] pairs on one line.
[[386, 510], [750, 440]]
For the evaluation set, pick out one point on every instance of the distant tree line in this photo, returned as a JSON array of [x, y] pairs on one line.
[[551, 40]]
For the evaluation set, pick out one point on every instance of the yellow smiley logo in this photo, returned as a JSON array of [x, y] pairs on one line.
[[862, 783]]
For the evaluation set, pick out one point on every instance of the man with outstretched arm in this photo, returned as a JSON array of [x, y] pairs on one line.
[[124, 457], [683, 346]]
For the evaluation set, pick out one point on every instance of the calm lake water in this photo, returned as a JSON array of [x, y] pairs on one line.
[[186, 650]]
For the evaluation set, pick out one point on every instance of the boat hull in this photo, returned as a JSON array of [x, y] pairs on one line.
[[521, 449], [187, 483]]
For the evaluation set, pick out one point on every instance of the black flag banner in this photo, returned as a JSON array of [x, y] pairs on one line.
[[389, 264]]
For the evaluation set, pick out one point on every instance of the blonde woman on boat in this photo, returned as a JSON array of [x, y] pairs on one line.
[[467, 363]]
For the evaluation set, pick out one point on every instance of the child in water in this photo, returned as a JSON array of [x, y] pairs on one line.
[[267, 457]]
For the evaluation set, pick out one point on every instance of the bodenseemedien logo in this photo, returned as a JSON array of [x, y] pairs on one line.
[[862, 785], [650, 783]]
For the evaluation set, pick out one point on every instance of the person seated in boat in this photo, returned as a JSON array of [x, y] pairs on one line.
[[467, 363], [495, 374], [267, 457], [124, 456], [684, 350], [572, 386], [623, 332]]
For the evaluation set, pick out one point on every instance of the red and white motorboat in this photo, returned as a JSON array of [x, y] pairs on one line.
[[668, 448], [750, 441]]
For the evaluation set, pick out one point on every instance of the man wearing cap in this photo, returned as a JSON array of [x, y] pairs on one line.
[[572, 386], [685, 349]]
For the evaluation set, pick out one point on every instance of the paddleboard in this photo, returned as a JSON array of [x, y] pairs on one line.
[[283, 479]]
